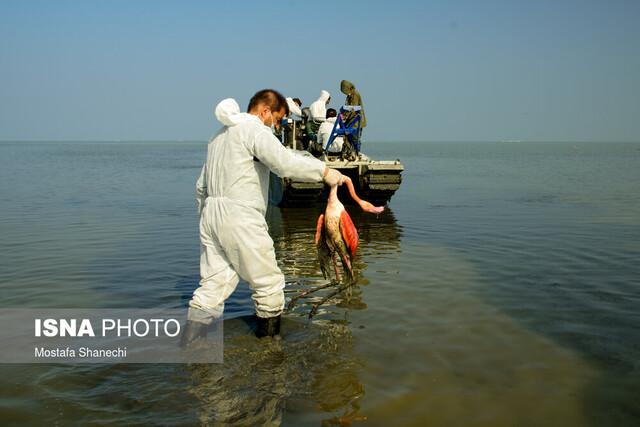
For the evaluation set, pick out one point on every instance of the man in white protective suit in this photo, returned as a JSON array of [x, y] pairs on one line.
[[318, 108], [294, 105], [232, 195]]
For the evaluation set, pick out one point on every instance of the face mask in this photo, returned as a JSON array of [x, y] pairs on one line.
[[273, 128], [273, 124]]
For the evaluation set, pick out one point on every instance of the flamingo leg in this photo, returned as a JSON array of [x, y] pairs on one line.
[[348, 272], [335, 267], [307, 292], [314, 307]]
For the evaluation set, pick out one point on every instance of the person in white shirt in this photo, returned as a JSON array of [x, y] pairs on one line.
[[324, 133]]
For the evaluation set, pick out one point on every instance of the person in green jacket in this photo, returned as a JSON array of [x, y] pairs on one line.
[[351, 150], [353, 98]]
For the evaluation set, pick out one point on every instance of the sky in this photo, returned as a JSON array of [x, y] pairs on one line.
[[427, 70]]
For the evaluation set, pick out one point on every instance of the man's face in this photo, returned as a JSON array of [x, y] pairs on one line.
[[278, 118], [269, 118]]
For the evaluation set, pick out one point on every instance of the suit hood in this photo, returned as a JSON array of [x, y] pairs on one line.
[[346, 87], [228, 113]]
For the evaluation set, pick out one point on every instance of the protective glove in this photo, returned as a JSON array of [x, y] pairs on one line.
[[332, 177]]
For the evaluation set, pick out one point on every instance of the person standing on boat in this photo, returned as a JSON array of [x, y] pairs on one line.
[[353, 98], [232, 194], [351, 149]]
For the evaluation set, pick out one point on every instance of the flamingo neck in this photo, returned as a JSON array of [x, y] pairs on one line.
[[333, 194], [352, 190]]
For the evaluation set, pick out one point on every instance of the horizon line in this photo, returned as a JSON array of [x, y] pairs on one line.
[[506, 141]]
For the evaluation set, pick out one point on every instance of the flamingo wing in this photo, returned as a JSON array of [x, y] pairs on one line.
[[319, 226], [349, 232]]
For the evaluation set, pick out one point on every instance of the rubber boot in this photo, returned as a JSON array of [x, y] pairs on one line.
[[268, 326], [193, 331]]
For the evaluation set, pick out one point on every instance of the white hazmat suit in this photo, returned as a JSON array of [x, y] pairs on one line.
[[293, 107], [232, 194], [318, 108]]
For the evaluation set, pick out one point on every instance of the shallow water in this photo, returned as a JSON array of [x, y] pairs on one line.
[[501, 287]]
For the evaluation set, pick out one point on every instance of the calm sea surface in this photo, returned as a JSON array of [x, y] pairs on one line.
[[501, 287]]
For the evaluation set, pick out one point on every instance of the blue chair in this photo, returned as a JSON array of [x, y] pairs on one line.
[[351, 131]]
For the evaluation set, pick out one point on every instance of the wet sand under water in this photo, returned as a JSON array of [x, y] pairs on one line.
[[477, 366]]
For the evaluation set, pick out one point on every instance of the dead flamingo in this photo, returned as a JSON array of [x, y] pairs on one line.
[[336, 235]]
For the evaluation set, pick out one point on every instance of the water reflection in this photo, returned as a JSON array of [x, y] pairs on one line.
[[312, 375], [311, 372]]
